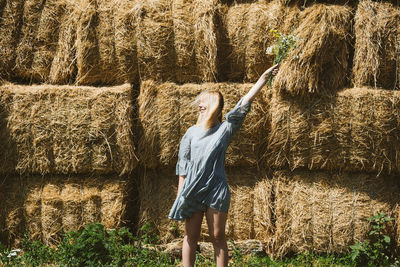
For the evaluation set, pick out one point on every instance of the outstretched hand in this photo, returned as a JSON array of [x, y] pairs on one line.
[[272, 70]]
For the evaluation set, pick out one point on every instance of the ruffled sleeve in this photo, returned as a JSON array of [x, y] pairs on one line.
[[183, 163], [235, 117]]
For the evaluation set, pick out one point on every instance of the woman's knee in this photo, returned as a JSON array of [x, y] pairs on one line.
[[218, 237]]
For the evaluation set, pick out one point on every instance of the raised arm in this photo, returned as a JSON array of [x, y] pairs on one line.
[[259, 84]]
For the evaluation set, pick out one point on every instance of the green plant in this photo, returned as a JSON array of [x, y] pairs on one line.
[[36, 253], [378, 250]]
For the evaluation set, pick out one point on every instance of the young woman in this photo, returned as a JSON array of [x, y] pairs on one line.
[[202, 187]]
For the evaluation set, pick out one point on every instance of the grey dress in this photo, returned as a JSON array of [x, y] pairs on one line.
[[202, 160]]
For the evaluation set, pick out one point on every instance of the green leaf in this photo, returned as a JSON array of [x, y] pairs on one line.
[[386, 239]]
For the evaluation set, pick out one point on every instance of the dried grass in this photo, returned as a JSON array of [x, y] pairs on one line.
[[33, 207], [263, 207], [205, 34], [320, 62], [353, 131], [71, 205], [47, 36], [184, 43], [64, 129], [113, 202], [157, 193], [27, 42], [156, 55], [125, 19], [10, 28], [326, 213], [167, 111], [51, 215], [377, 44], [91, 201]]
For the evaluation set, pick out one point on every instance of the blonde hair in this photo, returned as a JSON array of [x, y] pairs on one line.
[[215, 104]]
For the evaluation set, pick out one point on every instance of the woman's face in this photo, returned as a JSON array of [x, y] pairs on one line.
[[202, 105]]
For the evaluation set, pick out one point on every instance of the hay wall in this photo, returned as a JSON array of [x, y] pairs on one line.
[[10, 28], [66, 129], [376, 56], [47, 38], [167, 111], [357, 130], [320, 63], [322, 212], [158, 192], [247, 28], [32, 10], [47, 206]]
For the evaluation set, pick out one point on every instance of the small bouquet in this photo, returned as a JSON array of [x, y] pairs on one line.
[[281, 48]]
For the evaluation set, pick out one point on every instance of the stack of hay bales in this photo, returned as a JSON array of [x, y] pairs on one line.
[[68, 156]]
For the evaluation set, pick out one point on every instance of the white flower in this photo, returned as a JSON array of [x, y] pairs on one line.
[[271, 50]]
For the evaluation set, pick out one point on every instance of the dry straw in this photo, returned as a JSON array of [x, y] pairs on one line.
[[317, 211], [64, 129], [27, 41], [125, 18], [320, 62], [33, 207], [51, 215], [247, 28], [354, 131], [10, 28], [167, 110], [184, 43], [71, 205], [63, 69], [376, 56], [205, 35], [46, 206], [155, 48], [47, 36]]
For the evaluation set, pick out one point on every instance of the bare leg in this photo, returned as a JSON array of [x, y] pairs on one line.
[[216, 221], [192, 234]]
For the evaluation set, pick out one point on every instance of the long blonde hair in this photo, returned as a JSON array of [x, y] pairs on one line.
[[215, 104]]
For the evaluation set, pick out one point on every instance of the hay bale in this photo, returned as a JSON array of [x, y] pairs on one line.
[[71, 215], [51, 215], [377, 44], [184, 43], [320, 62], [157, 193], [64, 129], [27, 42], [263, 207], [247, 38], [33, 207], [91, 201], [10, 28], [63, 69], [205, 35], [87, 43], [126, 40], [322, 212], [172, 113], [12, 210], [114, 194], [8, 155], [354, 131], [105, 31], [155, 49], [48, 32], [241, 213]]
